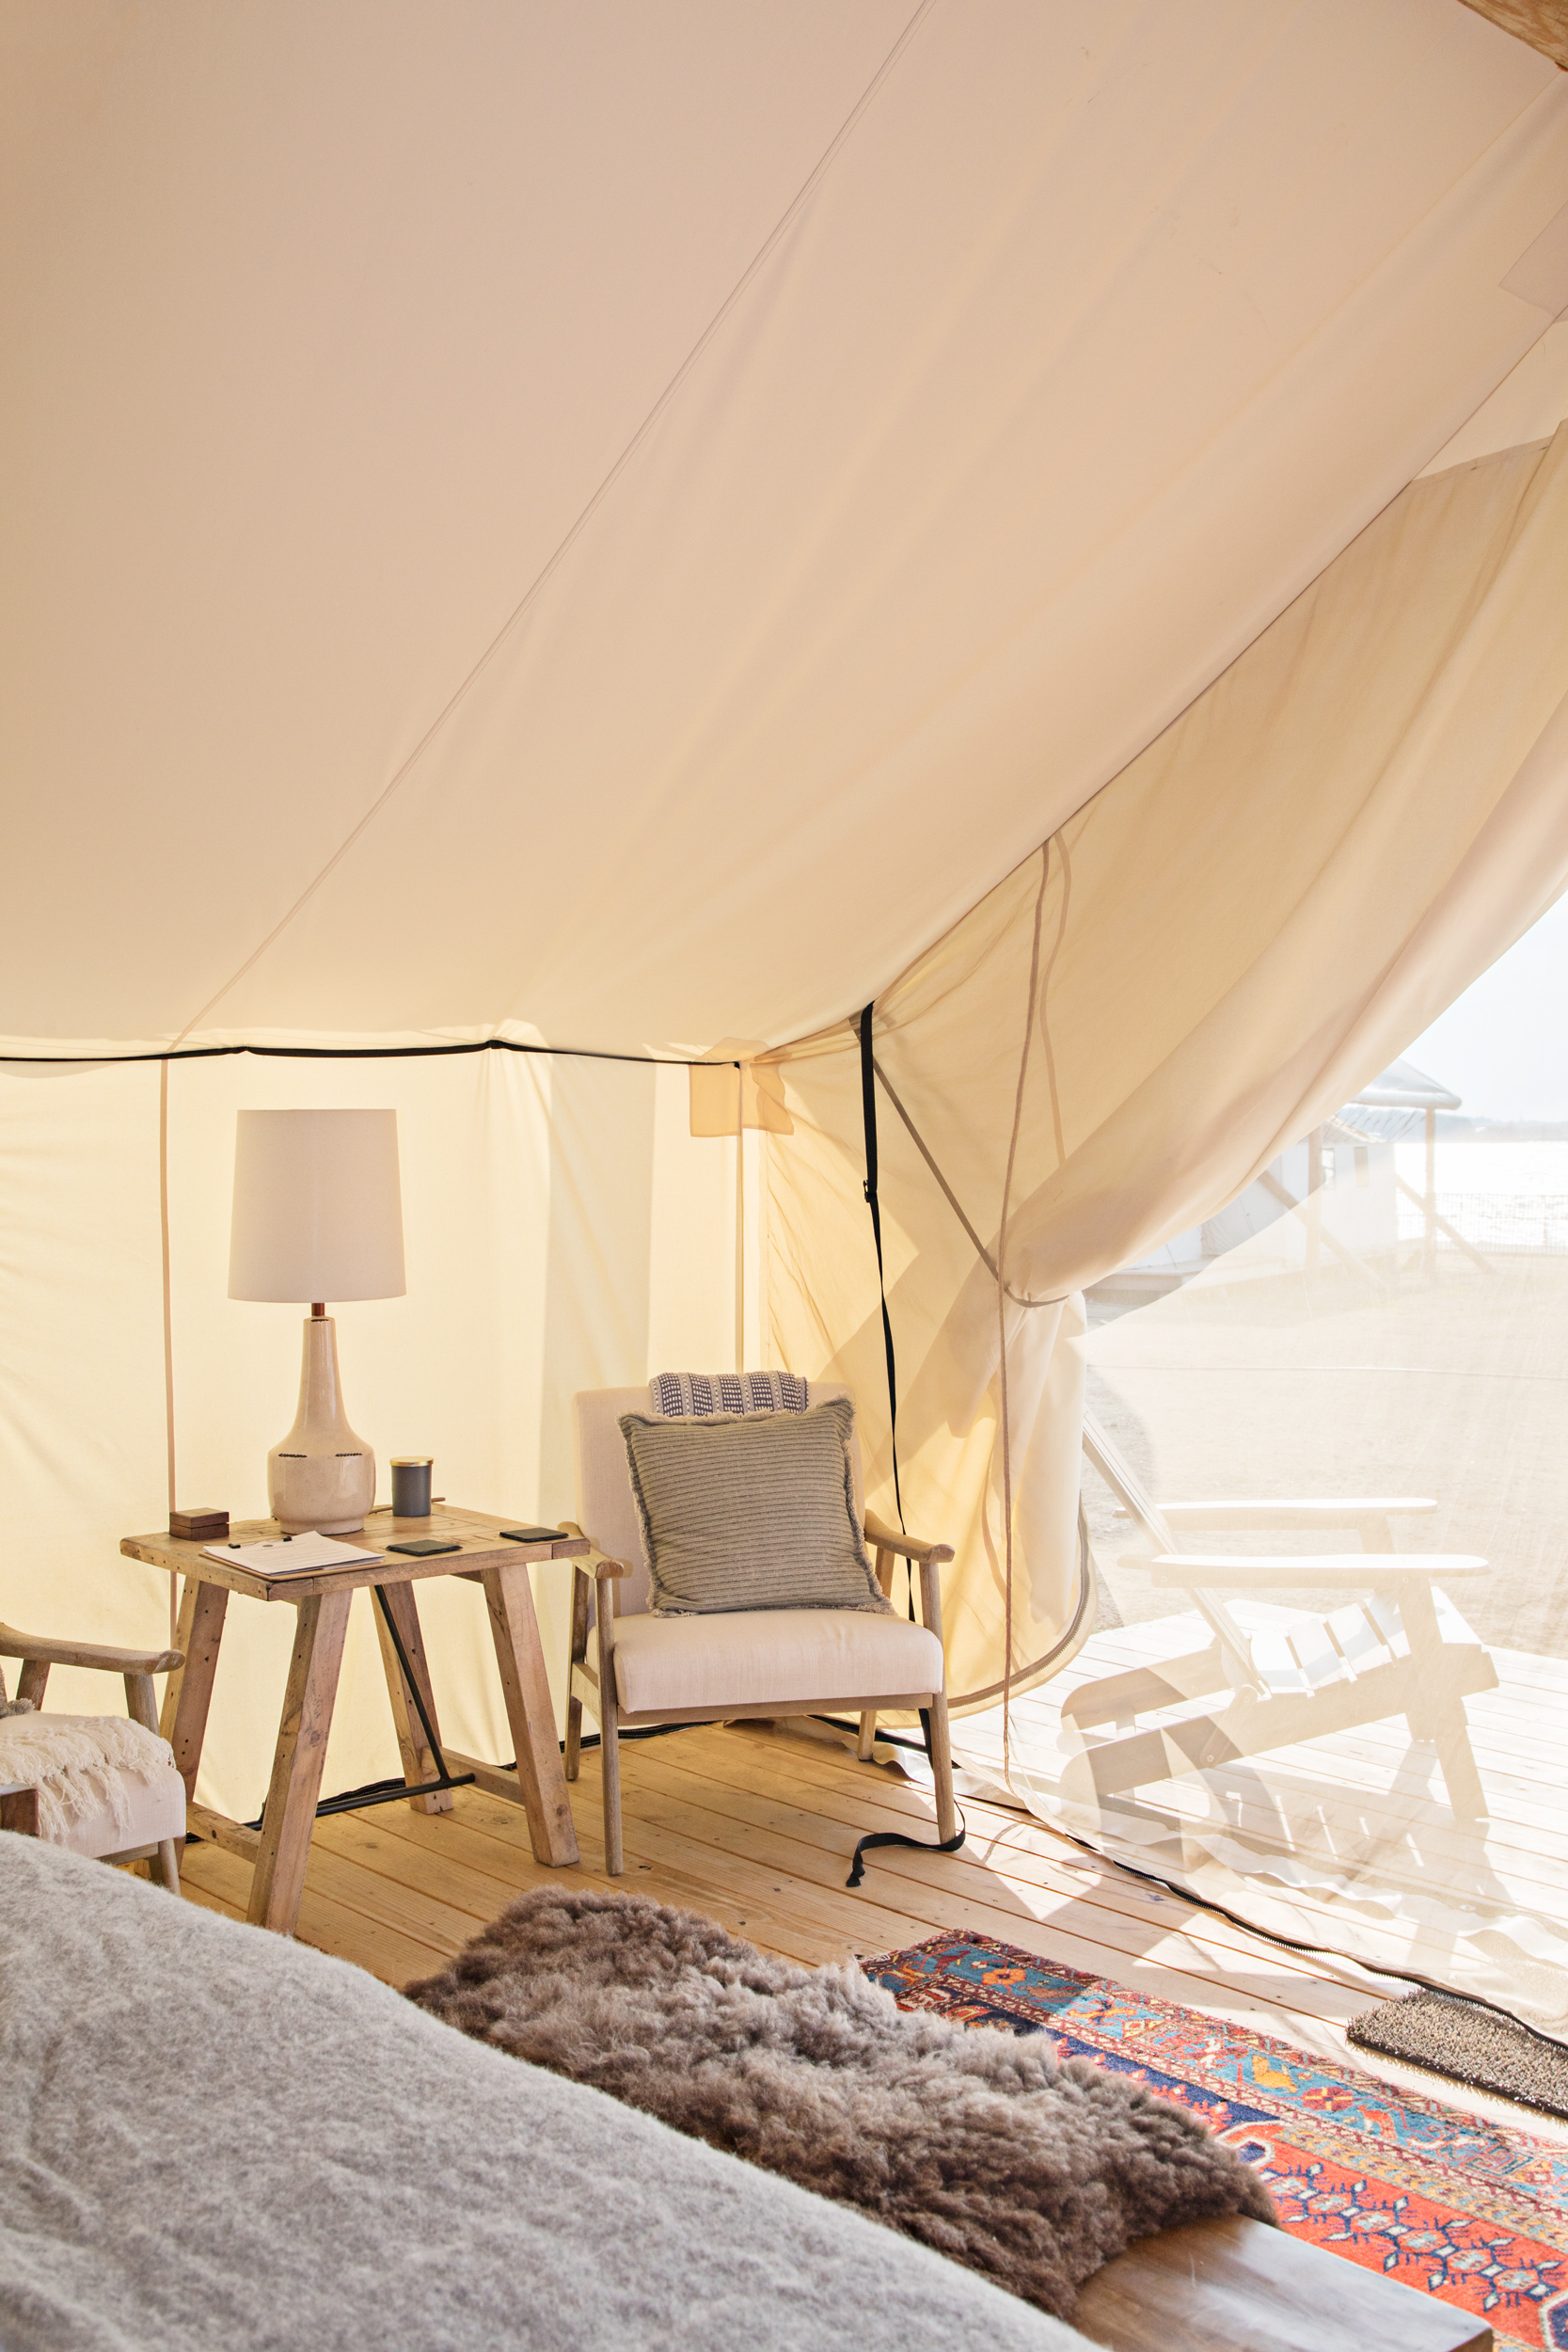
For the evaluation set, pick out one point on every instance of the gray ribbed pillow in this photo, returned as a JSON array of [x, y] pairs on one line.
[[753, 1513]]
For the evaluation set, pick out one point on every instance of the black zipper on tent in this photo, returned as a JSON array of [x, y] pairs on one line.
[[868, 1110]]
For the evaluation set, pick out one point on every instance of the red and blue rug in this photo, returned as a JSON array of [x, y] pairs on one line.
[[1468, 2211]]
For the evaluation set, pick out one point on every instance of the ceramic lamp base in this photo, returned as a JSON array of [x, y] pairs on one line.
[[320, 1476]]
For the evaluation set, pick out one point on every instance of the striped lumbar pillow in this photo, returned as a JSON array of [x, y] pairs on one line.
[[698, 1395], [752, 1512]]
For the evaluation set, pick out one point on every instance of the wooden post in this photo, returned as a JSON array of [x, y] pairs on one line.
[[941, 1768], [578, 1655], [188, 1692], [609, 1738], [142, 1704], [418, 1758], [1314, 1207], [942, 1751], [1429, 1246], [739, 1228], [531, 1712], [296, 1771], [19, 1812], [1441, 1717], [869, 1714]]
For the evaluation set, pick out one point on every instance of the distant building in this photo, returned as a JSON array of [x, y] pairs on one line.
[[1341, 1180], [1397, 1104]]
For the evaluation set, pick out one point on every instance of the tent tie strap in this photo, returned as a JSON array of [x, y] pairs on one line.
[[897, 1837]]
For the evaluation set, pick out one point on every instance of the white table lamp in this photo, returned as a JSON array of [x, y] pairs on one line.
[[318, 1214]]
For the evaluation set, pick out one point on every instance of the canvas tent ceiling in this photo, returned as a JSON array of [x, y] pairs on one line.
[[1053, 350]]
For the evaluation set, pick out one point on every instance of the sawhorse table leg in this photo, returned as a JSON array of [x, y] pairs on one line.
[[529, 1712], [420, 1761], [301, 1753], [188, 1693]]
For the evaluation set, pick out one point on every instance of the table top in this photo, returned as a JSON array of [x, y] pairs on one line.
[[478, 1534]]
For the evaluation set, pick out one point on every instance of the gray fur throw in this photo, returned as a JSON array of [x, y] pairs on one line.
[[966, 2137]]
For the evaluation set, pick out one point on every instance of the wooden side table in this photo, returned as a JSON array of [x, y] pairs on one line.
[[279, 1848]]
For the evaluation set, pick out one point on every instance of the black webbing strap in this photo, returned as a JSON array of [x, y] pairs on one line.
[[897, 1837], [868, 1109]]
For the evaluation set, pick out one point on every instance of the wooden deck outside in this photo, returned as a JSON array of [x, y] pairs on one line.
[[1362, 1803], [755, 1827]]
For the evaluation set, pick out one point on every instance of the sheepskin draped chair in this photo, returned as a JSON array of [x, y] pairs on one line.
[[725, 1665], [129, 1815]]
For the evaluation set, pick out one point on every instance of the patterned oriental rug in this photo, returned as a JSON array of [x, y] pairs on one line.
[[1468, 2211]]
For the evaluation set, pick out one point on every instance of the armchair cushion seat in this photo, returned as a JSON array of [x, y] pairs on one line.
[[149, 1811], [749, 1656], [90, 1770], [103, 1786], [100, 1780]]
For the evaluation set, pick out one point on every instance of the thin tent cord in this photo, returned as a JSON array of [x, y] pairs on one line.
[[1002, 1326], [951, 1197], [740, 1223], [541, 578], [1067, 1639], [168, 1328]]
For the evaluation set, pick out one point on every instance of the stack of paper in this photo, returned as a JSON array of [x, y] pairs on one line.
[[292, 1555]]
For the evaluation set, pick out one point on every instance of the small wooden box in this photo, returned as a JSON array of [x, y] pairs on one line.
[[198, 1527]]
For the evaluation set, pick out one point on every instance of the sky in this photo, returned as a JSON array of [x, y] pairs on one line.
[[1503, 1045]]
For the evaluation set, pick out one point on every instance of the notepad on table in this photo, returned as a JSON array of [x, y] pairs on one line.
[[291, 1555]]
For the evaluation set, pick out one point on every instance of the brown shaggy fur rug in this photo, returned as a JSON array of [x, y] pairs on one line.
[[966, 2137]]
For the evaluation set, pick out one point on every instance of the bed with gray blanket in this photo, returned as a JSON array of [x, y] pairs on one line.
[[210, 2137]]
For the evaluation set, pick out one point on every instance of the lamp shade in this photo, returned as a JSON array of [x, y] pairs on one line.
[[318, 1208]]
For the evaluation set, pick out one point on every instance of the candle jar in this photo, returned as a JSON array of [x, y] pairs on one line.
[[411, 1485]]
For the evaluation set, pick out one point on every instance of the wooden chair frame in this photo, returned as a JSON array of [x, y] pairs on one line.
[[18, 1801], [1328, 1675], [596, 1580]]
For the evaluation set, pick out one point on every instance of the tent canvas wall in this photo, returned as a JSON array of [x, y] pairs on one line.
[[614, 531]]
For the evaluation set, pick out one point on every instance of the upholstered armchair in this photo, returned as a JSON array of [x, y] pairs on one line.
[[101, 1786], [729, 1663]]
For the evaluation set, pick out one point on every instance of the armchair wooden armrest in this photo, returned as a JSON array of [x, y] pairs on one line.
[[1343, 1510], [926, 1557], [907, 1547], [137, 1667], [930, 1559], [115, 1661], [597, 1566], [1353, 1571]]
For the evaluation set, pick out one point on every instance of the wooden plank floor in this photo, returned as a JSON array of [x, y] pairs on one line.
[[755, 1827]]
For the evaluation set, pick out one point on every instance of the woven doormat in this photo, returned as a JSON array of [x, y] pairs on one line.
[[1469, 2046], [1473, 2212]]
